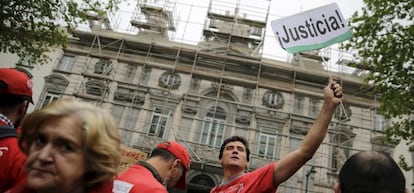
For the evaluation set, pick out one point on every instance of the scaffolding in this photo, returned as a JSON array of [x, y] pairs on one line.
[[199, 94]]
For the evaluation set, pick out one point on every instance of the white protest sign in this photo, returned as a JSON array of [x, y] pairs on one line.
[[313, 29]]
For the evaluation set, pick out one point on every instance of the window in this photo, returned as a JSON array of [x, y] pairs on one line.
[[213, 131], [267, 145], [96, 87], [103, 66], [314, 107], [213, 23], [169, 81], [50, 97], [380, 122], [298, 108], [213, 127], [159, 122], [57, 81], [340, 152], [257, 31], [66, 63], [273, 99]]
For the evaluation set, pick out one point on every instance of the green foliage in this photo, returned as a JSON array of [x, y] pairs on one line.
[[383, 34], [30, 28]]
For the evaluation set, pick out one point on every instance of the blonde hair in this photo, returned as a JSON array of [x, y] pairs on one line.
[[101, 141]]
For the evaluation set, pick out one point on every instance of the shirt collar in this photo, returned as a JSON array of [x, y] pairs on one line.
[[6, 120]]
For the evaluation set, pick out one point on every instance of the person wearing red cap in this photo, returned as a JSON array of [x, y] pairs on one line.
[[15, 96], [167, 166]]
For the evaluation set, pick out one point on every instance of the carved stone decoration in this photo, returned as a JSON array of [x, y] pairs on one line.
[[56, 83], [57, 79], [299, 130], [206, 153], [243, 119], [151, 141], [127, 95], [189, 109], [138, 100], [223, 87], [103, 66], [96, 87], [273, 99], [169, 81]]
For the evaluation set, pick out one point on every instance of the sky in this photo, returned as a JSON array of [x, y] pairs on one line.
[[191, 14]]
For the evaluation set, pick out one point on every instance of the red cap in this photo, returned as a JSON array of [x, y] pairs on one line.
[[13, 81], [181, 153]]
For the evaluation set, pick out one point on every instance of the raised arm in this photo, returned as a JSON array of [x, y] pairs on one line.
[[289, 164]]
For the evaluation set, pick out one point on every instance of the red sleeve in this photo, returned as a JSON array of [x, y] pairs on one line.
[[105, 187], [12, 162]]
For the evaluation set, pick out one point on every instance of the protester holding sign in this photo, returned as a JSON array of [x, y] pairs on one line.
[[234, 154]]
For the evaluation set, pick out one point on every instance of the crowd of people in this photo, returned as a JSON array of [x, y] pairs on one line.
[[74, 146]]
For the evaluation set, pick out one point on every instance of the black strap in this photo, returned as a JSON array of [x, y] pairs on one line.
[[7, 131], [151, 169]]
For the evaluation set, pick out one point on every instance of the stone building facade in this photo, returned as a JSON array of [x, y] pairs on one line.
[[158, 89]]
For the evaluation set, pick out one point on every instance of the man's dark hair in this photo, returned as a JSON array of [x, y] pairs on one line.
[[232, 139], [160, 152], [9, 102], [371, 172]]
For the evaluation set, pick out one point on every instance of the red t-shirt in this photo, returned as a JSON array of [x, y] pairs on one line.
[[258, 181], [137, 179], [12, 161]]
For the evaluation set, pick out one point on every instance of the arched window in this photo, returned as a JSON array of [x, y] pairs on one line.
[[95, 87], [169, 81], [201, 183], [343, 141], [273, 100], [213, 127]]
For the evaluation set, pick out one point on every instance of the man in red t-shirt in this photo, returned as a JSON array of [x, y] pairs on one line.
[[15, 96], [234, 154], [167, 166]]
